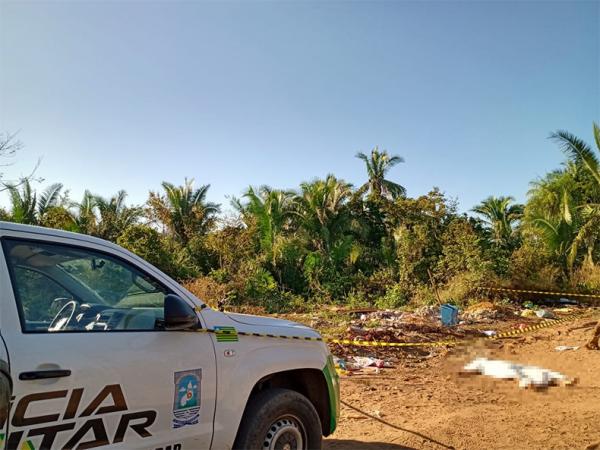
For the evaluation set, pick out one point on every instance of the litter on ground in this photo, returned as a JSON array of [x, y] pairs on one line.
[[563, 348], [527, 376], [545, 314]]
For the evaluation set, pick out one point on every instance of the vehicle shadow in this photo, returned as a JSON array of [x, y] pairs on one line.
[[348, 444]]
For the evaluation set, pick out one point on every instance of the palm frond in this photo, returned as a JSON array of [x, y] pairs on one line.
[[578, 150], [395, 190], [394, 160], [49, 198]]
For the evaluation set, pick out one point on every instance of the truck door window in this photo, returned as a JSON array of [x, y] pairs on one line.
[[60, 288], [41, 297]]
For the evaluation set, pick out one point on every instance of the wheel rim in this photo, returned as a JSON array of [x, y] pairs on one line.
[[285, 433]]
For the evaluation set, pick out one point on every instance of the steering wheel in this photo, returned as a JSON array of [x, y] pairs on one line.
[[63, 317]]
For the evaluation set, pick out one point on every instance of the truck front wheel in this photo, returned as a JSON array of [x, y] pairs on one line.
[[279, 419]]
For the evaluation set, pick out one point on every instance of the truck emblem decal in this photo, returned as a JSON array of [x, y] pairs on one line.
[[226, 334], [186, 398]]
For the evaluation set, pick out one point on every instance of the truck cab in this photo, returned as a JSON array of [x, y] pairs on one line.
[[101, 349]]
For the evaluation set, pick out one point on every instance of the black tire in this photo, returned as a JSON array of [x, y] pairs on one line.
[[277, 414]]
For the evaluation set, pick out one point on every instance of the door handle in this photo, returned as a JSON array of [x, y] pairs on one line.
[[44, 374]]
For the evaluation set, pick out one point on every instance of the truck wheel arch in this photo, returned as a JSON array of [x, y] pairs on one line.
[[309, 382], [6, 387]]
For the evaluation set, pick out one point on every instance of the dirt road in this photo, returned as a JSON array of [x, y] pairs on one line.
[[428, 405]]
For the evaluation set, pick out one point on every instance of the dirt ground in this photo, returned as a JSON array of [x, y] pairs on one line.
[[423, 403]]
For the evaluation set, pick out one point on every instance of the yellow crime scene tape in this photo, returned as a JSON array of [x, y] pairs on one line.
[[544, 324], [231, 334], [528, 291]]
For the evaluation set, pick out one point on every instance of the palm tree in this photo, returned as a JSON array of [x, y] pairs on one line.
[[323, 212], [500, 216], [83, 213], [582, 155], [378, 164], [272, 210], [23, 202], [546, 196], [184, 210], [115, 216], [26, 207], [558, 231]]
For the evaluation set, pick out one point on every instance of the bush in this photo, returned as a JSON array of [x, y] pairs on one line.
[[463, 288], [260, 284], [377, 284], [423, 295], [586, 278], [357, 299], [290, 302], [395, 297], [461, 252], [220, 275], [59, 218], [147, 243], [208, 290], [531, 266]]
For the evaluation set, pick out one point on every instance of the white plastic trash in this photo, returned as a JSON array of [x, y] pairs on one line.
[[563, 348]]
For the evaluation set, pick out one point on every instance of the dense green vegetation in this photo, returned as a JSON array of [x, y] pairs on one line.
[[327, 241]]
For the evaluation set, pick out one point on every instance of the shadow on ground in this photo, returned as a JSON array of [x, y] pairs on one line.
[[346, 444], [386, 446]]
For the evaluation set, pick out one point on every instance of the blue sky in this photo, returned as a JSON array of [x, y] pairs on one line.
[[124, 95]]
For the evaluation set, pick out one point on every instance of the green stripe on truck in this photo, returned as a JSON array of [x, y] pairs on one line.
[[333, 387]]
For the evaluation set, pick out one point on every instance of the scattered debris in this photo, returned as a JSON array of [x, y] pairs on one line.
[[485, 312], [339, 362], [377, 414], [428, 312], [566, 310], [490, 333], [527, 376], [388, 315], [354, 330], [360, 365], [564, 348], [545, 314], [560, 301], [528, 313]]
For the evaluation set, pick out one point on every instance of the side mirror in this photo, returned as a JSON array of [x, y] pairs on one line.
[[178, 314]]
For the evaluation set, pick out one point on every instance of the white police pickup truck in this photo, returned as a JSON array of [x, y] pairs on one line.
[[101, 349]]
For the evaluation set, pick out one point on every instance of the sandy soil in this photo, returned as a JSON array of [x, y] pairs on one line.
[[426, 404]]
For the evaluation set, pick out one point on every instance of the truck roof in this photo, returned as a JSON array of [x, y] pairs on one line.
[[33, 229]]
